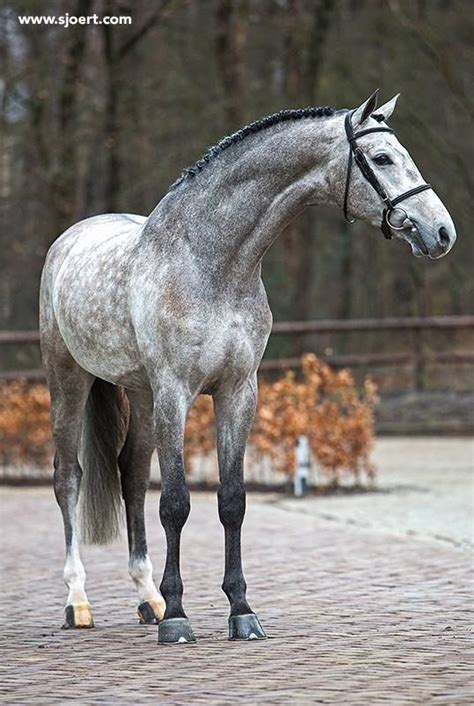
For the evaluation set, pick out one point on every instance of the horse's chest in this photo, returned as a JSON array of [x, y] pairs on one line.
[[222, 345], [233, 343]]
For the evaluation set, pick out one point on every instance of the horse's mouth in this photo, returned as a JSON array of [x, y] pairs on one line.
[[412, 236]]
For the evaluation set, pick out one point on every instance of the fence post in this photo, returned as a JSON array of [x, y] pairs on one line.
[[419, 363], [302, 454]]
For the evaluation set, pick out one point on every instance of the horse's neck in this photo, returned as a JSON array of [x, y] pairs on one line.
[[232, 211]]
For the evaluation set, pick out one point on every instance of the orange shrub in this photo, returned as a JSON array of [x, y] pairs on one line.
[[25, 434], [200, 434], [322, 404]]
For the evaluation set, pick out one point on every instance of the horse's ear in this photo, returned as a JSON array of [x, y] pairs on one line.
[[387, 108], [364, 111]]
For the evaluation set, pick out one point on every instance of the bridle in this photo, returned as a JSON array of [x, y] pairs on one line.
[[391, 205]]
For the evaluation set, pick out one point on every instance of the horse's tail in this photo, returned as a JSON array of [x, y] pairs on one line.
[[103, 432]]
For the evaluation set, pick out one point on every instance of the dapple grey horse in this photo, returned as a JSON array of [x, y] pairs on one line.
[[141, 315]]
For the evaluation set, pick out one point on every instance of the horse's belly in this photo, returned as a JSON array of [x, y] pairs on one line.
[[111, 357]]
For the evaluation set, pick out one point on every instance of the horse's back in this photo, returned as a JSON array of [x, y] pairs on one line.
[[92, 232]]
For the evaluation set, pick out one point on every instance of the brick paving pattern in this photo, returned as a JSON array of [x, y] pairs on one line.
[[353, 616]]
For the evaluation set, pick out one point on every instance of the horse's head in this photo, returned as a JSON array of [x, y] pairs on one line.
[[384, 187]]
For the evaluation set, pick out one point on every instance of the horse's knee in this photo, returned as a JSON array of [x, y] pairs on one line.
[[231, 500], [174, 507]]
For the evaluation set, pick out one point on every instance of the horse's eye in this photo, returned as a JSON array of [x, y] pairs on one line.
[[382, 160]]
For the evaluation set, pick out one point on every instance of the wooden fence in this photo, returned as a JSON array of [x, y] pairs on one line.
[[418, 357]]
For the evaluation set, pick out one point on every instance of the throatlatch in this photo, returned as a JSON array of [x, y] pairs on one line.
[[391, 205]]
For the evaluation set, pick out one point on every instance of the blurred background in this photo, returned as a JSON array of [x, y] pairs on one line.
[[104, 118]]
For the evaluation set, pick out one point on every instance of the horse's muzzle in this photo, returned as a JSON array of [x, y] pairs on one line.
[[427, 241]]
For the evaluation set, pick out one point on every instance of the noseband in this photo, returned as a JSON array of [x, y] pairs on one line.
[[391, 205]]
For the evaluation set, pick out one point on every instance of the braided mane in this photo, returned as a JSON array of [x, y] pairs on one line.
[[256, 126]]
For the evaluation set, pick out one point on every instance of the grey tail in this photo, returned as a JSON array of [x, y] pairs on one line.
[[103, 432]]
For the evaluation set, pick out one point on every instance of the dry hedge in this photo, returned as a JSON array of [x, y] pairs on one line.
[[322, 404]]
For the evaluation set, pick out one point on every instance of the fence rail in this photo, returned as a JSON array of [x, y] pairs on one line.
[[381, 360], [411, 323], [18, 337], [418, 358]]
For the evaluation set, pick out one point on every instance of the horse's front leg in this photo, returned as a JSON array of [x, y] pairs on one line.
[[235, 410], [170, 409]]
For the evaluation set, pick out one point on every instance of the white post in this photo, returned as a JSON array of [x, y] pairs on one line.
[[301, 477]]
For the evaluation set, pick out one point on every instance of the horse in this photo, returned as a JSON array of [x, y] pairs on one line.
[[139, 316]]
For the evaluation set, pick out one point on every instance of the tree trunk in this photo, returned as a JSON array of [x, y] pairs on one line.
[[114, 53], [66, 168], [304, 57], [230, 39], [111, 128], [57, 154]]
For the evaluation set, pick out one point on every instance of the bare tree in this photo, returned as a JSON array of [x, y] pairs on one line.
[[304, 56], [115, 52], [230, 39], [57, 149]]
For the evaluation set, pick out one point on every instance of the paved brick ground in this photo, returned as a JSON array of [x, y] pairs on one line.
[[426, 491], [353, 616]]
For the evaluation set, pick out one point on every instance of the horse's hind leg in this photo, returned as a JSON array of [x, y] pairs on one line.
[[134, 464], [69, 387]]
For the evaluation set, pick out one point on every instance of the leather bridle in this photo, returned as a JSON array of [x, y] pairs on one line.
[[391, 205]]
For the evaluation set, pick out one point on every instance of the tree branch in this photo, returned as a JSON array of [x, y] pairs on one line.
[[143, 31], [440, 58]]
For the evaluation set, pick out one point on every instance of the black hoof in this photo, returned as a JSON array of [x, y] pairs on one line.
[[147, 614], [78, 616], [175, 630], [245, 627]]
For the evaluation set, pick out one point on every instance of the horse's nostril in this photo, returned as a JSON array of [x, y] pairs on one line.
[[443, 237]]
